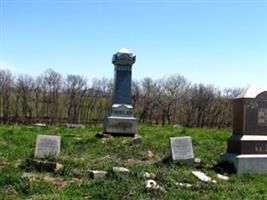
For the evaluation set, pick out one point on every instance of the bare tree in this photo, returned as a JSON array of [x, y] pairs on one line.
[[6, 83], [24, 88]]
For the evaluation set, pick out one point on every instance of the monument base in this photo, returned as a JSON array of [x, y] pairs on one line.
[[120, 125], [247, 163], [120, 120]]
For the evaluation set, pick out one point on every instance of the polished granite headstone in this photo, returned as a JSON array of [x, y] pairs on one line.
[[120, 119], [247, 147]]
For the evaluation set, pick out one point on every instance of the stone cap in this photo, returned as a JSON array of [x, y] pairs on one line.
[[251, 92], [119, 105], [124, 51], [123, 57]]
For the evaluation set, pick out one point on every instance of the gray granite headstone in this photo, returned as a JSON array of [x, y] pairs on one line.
[[181, 149], [47, 145]]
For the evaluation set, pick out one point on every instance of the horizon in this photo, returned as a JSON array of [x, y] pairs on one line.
[[221, 43]]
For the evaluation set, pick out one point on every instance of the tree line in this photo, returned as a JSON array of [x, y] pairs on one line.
[[52, 98]]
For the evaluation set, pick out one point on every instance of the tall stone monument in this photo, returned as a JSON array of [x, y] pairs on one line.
[[247, 147], [120, 119]]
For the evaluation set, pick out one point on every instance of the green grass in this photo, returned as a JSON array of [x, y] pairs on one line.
[[81, 151]]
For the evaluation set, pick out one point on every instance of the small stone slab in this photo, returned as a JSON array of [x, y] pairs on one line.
[[181, 149], [47, 145], [222, 177], [203, 177], [121, 169], [39, 125], [43, 165], [98, 173]]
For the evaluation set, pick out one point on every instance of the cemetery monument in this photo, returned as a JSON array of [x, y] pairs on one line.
[[247, 147], [120, 119]]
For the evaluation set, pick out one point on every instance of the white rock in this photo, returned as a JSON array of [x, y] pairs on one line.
[[98, 173], [225, 178], [39, 125], [151, 184], [188, 185], [58, 167], [203, 177], [121, 169], [197, 160], [149, 175]]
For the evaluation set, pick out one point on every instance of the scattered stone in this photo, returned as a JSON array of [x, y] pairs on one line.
[[74, 125], [42, 165], [203, 177], [150, 154], [136, 140], [58, 167], [30, 176], [58, 182], [97, 173], [197, 161], [222, 177], [187, 185], [121, 169], [47, 145], [149, 175], [77, 174], [152, 185], [39, 125]]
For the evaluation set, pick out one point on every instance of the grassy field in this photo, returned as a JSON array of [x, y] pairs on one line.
[[81, 151]]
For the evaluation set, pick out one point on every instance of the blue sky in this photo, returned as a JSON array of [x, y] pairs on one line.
[[212, 42]]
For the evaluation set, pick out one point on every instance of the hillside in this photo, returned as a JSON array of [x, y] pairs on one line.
[[81, 151]]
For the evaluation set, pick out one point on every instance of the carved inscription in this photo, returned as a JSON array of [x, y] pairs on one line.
[[47, 145], [262, 116], [261, 148], [181, 148]]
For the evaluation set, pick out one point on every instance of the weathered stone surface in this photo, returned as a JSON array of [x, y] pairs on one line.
[[42, 165], [222, 177], [121, 169], [136, 140], [149, 175], [181, 149], [75, 125], [250, 112], [152, 185], [98, 173], [187, 185], [39, 125], [247, 163], [47, 145], [203, 177], [121, 125], [247, 144]]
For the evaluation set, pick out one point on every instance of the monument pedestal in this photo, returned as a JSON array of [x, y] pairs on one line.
[[120, 120], [247, 163]]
